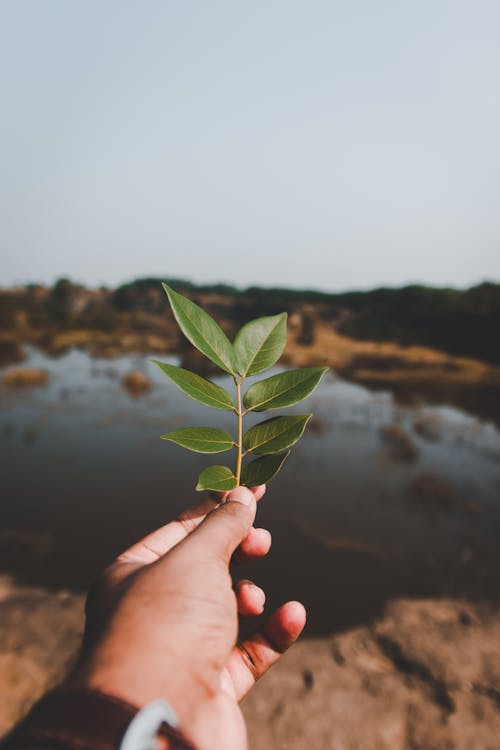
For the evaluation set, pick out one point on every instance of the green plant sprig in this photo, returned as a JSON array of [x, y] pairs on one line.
[[256, 347]]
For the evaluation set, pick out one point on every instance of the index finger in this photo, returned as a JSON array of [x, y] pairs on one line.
[[159, 542]]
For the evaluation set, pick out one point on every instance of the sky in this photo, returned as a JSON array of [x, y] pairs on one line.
[[313, 143]]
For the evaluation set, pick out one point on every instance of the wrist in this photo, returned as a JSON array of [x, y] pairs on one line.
[[73, 718], [139, 686]]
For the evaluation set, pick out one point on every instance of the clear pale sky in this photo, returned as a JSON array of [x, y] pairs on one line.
[[316, 143]]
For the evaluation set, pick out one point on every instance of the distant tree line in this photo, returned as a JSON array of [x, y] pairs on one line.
[[461, 322]]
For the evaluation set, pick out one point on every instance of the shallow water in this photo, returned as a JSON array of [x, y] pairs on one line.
[[376, 500]]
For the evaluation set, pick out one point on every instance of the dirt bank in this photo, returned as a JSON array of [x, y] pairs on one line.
[[424, 677], [39, 635]]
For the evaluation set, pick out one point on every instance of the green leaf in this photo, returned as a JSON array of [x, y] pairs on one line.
[[259, 344], [218, 478], [284, 389], [201, 439], [201, 330], [262, 469], [276, 434], [197, 387]]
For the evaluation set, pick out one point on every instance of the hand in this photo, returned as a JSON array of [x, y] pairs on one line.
[[162, 621]]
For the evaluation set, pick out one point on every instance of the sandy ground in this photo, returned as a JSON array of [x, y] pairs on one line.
[[424, 677], [39, 635]]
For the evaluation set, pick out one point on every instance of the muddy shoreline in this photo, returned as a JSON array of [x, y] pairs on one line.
[[411, 373]]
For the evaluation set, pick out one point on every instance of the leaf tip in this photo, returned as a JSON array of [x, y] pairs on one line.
[[168, 436]]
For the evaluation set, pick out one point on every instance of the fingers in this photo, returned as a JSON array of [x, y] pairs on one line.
[[250, 598], [161, 541], [251, 658], [259, 491], [257, 543], [224, 528]]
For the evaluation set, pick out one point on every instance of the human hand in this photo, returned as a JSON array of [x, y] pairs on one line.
[[162, 621]]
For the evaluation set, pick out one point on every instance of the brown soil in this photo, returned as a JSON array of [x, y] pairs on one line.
[[424, 677], [40, 633]]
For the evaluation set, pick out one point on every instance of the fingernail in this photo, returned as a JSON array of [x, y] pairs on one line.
[[267, 534], [261, 595], [241, 495]]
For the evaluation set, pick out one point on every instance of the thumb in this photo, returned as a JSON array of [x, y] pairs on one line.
[[225, 527]]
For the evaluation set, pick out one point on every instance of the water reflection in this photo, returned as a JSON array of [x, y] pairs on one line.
[[376, 501]]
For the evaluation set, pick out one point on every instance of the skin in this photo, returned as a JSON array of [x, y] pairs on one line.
[[162, 621]]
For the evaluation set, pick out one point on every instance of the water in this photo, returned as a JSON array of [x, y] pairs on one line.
[[376, 500]]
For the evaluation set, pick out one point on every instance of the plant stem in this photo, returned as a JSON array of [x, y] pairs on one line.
[[239, 444]]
